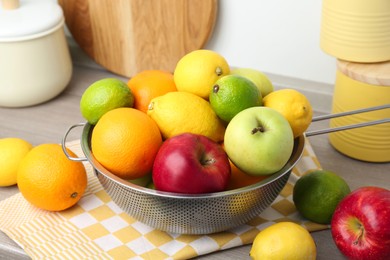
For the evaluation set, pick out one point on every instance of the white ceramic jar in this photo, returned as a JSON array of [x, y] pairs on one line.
[[35, 63]]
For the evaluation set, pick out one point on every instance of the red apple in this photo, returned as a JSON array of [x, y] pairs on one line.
[[192, 164], [361, 224]]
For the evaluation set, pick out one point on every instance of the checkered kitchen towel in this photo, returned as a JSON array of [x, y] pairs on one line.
[[97, 228]]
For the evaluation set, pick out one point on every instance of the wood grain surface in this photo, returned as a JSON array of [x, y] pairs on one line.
[[370, 73], [128, 36]]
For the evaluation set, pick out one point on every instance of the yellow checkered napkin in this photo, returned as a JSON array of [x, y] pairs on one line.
[[96, 228]]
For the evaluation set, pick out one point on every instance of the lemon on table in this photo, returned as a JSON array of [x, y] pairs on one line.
[[103, 96], [197, 71], [294, 106], [231, 94], [317, 194], [49, 180], [261, 80], [180, 112], [283, 240], [12, 151]]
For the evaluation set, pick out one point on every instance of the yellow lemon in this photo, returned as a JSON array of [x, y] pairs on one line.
[[294, 106], [180, 112], [283, 240], [12, 151], [197, 71]]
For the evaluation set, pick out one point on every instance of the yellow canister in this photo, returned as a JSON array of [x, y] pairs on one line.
[[356, 30], [360, 86]]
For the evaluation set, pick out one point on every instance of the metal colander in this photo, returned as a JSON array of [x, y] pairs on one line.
[[204, 213], [189, 213]]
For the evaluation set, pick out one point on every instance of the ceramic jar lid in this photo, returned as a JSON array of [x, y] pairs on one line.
[[28, 18]]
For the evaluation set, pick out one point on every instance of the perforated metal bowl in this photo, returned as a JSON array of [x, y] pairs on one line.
[[190, 214]]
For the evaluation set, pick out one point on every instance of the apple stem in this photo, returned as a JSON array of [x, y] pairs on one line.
[[257, 129], [361, 233], [216, 88], [208, 161]]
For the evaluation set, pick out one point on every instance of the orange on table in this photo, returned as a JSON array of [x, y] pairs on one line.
[[149, 84], [49, 180], [125, 141], [239, 179]]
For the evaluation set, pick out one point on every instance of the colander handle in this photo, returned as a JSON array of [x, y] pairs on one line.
[[347, 127], [63, 144]]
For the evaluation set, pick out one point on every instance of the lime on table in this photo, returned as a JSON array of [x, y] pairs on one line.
[[317, 194], [233, 93], [103, 96], [283, 240]]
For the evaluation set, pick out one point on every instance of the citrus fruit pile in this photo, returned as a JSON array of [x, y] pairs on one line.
[[201, 96]]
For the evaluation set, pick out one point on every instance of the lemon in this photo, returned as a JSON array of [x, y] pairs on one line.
[[294, 106], [103, 96], [197, 71], [261, 80], [180, 112], [12, 151], [231, 94], [317, 194], [283, 240]]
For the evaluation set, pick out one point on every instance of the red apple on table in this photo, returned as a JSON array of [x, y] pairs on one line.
[[192, 164], [361, 224]]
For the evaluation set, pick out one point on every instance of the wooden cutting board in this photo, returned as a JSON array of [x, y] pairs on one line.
[[128, 36]]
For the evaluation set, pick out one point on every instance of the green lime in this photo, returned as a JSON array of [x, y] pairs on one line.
[[317, 194], [103, 96], [233, 93]]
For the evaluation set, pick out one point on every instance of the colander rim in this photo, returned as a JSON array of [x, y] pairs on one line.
[[299, 144]]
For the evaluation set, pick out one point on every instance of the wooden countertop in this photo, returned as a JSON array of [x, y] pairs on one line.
[[48, 122]]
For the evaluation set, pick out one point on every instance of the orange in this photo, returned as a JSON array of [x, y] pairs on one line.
[[125, 141], [49, 180], [149, 84], [239, 179]]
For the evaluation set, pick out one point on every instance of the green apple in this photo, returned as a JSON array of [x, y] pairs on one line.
[[259, 141], [259, 78]]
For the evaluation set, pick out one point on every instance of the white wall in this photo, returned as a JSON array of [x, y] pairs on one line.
[[275, 36]]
